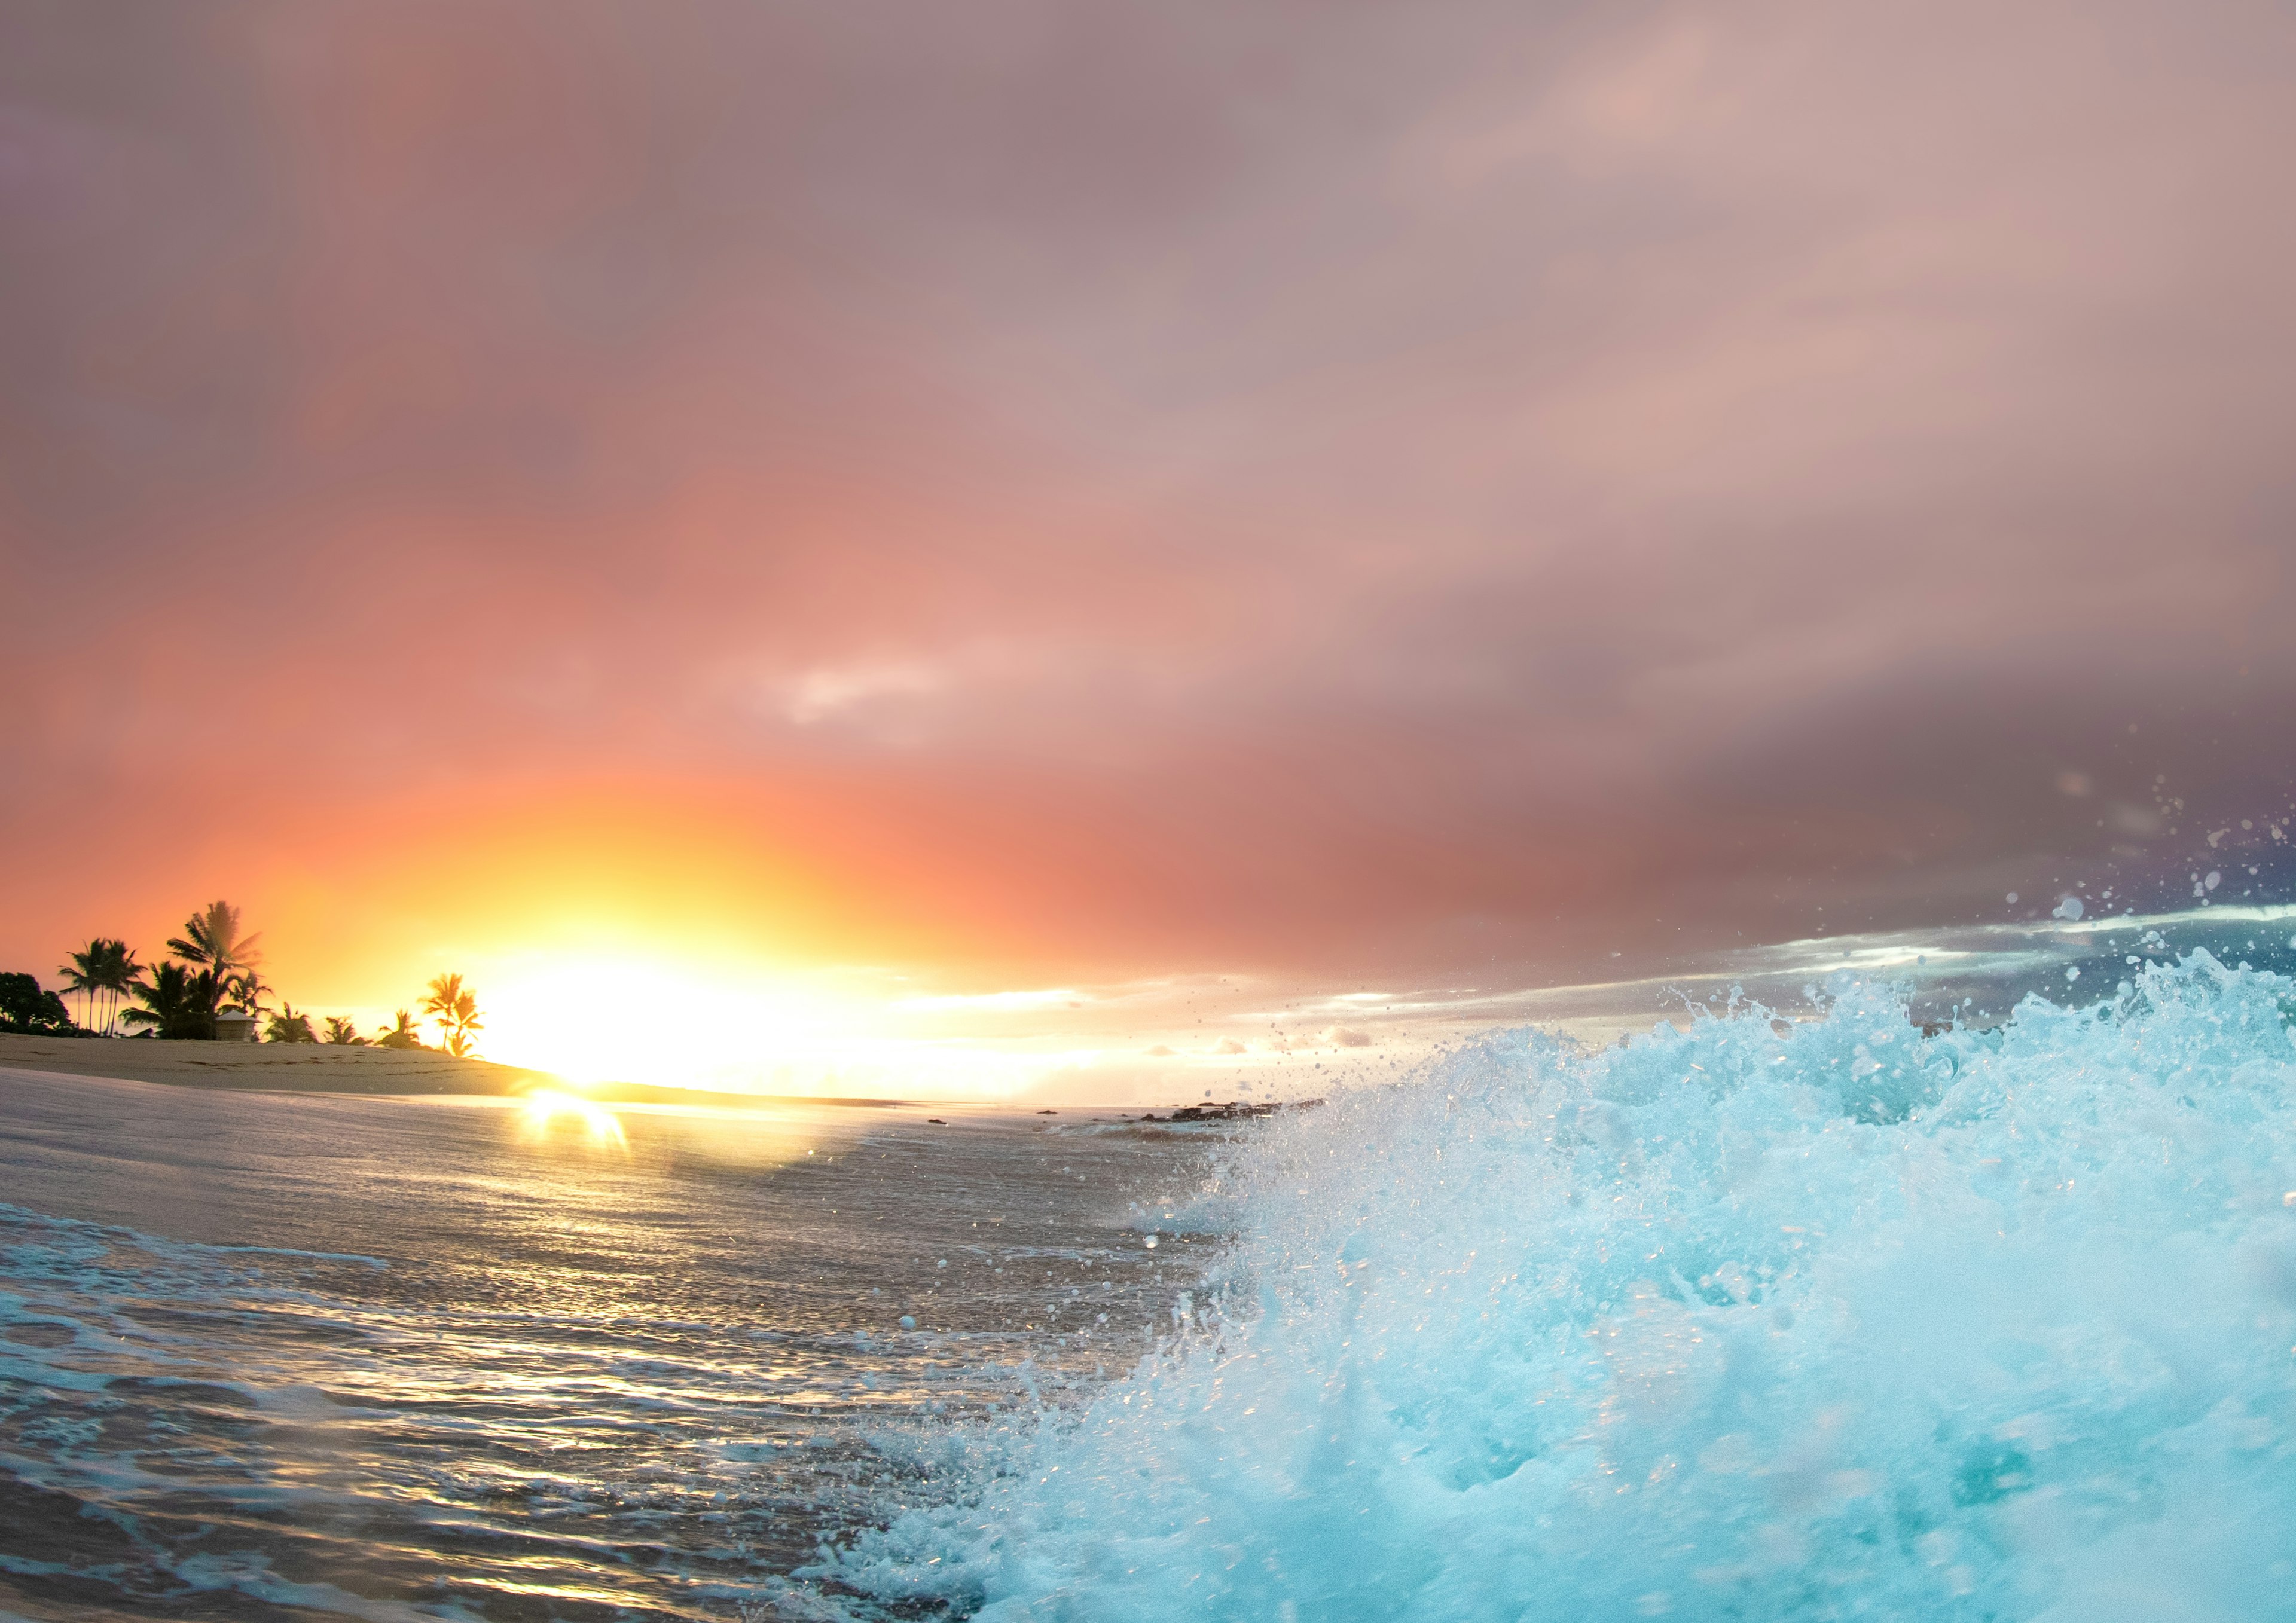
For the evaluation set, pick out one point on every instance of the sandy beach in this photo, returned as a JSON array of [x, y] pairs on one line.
[[323, 1068], [303, 1067]]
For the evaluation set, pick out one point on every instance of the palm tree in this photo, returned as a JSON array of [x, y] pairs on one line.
[[455, 1008], [247, 990], [120, 973], [342, 1033], [467, 1025], [406, 1034], [214, 937], [176, 1004], [289, 1026], [83, 974], [440, 1000]]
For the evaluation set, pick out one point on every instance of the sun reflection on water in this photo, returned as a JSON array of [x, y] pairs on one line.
[[546, 1105]]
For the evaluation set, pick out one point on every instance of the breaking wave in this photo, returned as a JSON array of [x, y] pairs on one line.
[[1831, 1319]]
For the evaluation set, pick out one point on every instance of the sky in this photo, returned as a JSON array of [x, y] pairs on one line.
[[843, 506]]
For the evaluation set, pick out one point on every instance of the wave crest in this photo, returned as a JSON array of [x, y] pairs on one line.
[[1824, 1320]]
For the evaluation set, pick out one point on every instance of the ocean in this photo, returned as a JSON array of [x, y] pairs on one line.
[[1863, 1314], [269, 1355]]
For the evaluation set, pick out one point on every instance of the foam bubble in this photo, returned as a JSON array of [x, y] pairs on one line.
[[1845, 1321]]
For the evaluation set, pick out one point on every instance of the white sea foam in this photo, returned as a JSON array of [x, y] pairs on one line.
[[1844, 1321]]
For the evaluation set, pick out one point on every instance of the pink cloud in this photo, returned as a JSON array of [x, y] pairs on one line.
[[1321, 489]]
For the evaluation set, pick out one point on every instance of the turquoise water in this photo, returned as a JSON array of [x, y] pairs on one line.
[[1759, 1319], [1824, 1320]]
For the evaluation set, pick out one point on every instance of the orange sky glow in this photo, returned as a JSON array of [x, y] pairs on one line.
[[1044, 550]]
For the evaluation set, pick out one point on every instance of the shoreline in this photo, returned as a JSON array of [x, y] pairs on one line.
[[326, 1069]]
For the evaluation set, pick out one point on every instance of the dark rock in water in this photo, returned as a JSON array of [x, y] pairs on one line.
[[1047, 1113], [1234, 1109], [935, 1121]]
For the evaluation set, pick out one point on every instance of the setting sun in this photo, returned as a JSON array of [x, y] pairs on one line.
[[597, 1018], [634, 1020]]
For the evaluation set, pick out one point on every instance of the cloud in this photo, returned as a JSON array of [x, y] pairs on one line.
[[827, 692], [1514, 484]]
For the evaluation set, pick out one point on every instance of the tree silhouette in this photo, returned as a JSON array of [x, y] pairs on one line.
[[216, 939], [26, 1006], [246, 991], [83, 972], [438, 1001], [342, 1034], [120, 973], [176, 1003], [467, 1025], [102, 972], [455, 1008], [406, 1034], [287, 1026]]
